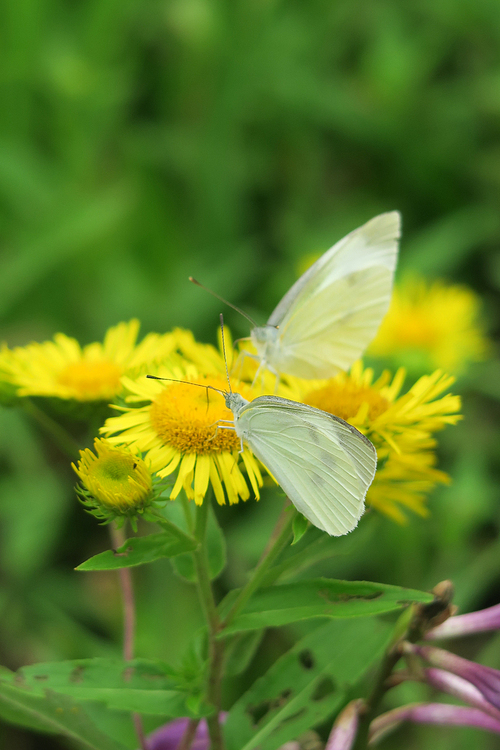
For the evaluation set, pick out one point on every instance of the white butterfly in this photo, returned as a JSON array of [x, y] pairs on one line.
[[323, 464], [330, 315]]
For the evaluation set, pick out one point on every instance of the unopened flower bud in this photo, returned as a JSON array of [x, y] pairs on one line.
[[115, 482], [345, 728], [486, 679], [472, 622]]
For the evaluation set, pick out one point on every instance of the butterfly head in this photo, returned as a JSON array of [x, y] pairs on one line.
[[235, 402], [264, 337]]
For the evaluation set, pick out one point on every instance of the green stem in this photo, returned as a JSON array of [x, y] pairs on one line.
[[172, 528], [411, 626], [118, 538], [207, 600], [277, 542], [59, 435]]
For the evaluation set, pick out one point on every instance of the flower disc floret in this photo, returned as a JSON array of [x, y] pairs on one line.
[[186, 418]]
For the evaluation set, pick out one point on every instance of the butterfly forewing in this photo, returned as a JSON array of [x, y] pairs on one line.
[[330, 315], [323, 464]]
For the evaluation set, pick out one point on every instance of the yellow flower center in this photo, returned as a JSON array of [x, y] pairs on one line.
[[344, 399], [185, 417], [91, 379]]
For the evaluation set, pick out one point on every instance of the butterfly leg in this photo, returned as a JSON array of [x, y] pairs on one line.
[[222, 424], [242, 355], [260, 368]]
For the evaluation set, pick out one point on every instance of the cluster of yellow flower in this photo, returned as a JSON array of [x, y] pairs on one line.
[[169, 429]]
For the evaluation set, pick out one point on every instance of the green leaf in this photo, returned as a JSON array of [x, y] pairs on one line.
[[300, 526], [321, 597], [306, 685], [216, 550], [54, 713], [241, 650], [316, 546], [144, 686], [138, 551]]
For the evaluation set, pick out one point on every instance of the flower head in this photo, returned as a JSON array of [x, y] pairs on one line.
[[115, 483], [62, 369], [432, 324], [176, 424], [401, 427]]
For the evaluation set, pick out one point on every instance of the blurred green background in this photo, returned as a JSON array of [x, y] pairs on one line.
[[142, 141]]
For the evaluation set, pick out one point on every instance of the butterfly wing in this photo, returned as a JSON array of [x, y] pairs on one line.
[[324, 465], [330, 315]]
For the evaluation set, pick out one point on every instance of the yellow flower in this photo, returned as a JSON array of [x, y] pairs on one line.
[[115, 482], [175, 424], [401, 427], [63, 369], [432, 324]]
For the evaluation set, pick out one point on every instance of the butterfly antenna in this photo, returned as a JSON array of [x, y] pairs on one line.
[[224, 351], [187, 382], [230, 304]]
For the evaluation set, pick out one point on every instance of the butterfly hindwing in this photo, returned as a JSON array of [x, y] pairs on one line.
[[323, 464]]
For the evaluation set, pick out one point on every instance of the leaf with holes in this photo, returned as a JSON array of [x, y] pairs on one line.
[[306, 685], [321, 597], [140, 685]]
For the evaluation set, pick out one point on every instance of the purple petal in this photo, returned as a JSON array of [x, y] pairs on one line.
[[486, 679], [432, 713], [345, 728], [473, 622], [169, 736], [459, 688]]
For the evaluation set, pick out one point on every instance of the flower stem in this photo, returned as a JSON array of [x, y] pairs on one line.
[[278, 540], [118, 539], [215, 646], [411, 626], [189, 735], [59, 435]]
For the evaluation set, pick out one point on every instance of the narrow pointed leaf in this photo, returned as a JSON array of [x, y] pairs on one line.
[[140, 685], [321, 597], [55, 713], [138, 551]]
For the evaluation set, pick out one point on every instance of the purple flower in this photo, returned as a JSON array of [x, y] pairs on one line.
[[459, 688], [345, 728], [432, 713], [486, 679], [169, 736], [473, 622]]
